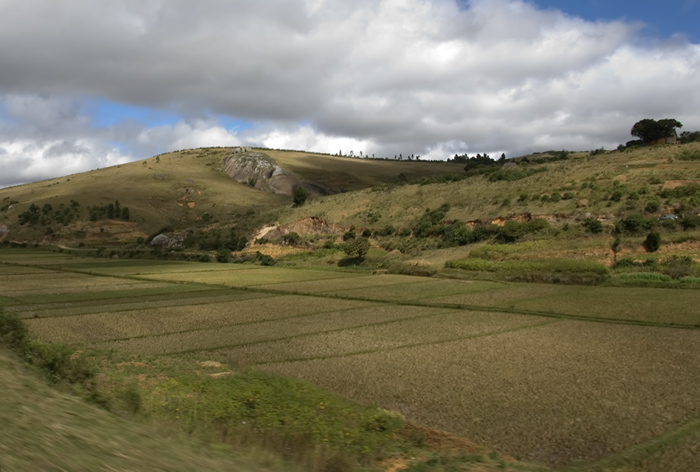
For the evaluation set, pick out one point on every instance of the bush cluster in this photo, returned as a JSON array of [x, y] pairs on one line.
[[110, 211], [675, 267]]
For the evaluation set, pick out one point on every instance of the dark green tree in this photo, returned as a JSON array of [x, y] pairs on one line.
[[357, 248], [300, 195], [650, 131], [653, 242]]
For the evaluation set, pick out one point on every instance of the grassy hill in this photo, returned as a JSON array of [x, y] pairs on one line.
[[558, 196], [552, 205], [182, 189]]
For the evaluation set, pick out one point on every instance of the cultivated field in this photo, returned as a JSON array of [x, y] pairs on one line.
[[589, 378]]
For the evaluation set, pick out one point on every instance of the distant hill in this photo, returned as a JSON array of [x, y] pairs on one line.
[[179, 190], [553, 204]]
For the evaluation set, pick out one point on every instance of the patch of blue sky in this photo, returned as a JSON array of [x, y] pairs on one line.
[[104, 113], [233, 124], [662, 19]]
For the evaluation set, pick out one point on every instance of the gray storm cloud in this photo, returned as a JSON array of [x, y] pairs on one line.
[[384, 77]]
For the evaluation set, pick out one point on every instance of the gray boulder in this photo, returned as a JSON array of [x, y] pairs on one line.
[[259, 170], [168, 241]]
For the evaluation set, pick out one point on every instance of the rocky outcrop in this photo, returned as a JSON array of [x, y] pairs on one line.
[[258, 170], [168, 241]]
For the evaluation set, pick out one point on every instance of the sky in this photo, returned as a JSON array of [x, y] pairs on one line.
[[86, 84]]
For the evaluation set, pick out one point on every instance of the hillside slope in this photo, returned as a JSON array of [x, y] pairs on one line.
[[183, 189], [559, 197]]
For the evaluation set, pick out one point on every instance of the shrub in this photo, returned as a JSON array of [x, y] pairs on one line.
[[266, 260], [386, 231], [300, 195], [13, 332], [357, 248], [623, 263], [457, 234], [592, 225], [616, 196], [653, 205], [635, 223], [223, 255], [690, 222], [653, 242], [292, 238], [349, 235], [512, 230], [677, 267]]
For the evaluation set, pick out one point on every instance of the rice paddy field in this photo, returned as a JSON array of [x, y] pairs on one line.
[[570, 377]]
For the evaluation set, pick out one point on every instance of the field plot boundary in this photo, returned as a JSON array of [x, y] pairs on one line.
[[333, 290], [68, 297], [640, 451], [173, 302], [420, 302], [242, 323], [492, 308], [300, 335], [405, 346]]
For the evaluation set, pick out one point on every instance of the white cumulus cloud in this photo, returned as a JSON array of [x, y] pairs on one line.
[[429, 77]]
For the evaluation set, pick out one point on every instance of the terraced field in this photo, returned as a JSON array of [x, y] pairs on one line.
[[577, 378]]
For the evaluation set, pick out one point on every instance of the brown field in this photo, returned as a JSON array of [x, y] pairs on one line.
[[275, 332], [105, 326], [552, 390], [558, 394], [433, 331]]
